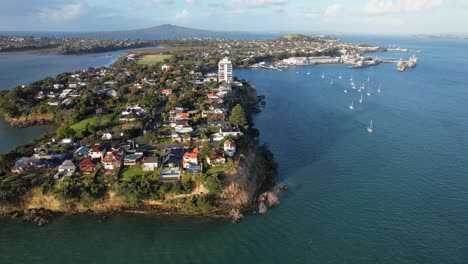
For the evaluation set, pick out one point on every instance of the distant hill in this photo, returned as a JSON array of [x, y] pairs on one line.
[[300, 37], [449, 36], [167, 29]]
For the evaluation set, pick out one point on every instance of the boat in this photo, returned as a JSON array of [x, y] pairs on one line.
[[323, 75], [379, 89], [360, 100], [308, 73], [331, 82], [351, 107], [339, 77], [370, 128], [368, 93], [351, 79], [368, 78], [412, 61], [353, 86], [345, 91]]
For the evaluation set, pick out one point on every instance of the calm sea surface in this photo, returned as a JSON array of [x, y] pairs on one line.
[[399, 195]]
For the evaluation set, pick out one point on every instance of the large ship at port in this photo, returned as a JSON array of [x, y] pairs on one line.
[[402, 65], [412, 61]]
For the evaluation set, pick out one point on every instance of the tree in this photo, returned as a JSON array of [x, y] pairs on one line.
[[65, 131], [238, 118], [205, 149]]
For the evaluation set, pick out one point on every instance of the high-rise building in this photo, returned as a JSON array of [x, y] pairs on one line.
[[225, 70]]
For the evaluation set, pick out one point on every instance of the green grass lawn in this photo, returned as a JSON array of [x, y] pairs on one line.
[[152, 58], [216, 169], [137, 171], [190, 62], [81, 125]]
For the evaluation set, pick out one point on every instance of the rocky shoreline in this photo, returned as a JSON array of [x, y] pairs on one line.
[[29, 123], [42, 216]]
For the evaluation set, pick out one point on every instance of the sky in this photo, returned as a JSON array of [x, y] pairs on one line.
[[268, 16]]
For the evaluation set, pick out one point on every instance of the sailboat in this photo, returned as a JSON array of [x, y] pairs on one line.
[[308, 73], [368, 78], [370, 128], [345, 91], [351, 79], [379, 89], [351, 107], [360, 100], [323, 75], [339, 77], [368, 93]]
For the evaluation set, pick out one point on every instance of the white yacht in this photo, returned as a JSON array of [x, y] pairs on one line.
[[360, 100], [370, 128], [351, 107]]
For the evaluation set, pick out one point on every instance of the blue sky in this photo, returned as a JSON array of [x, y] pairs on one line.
[[319, 16]]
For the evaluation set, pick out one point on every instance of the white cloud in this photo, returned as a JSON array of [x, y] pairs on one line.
[[255, 3], [182, 15], [147, 3], [64, 13], [191, 2], [381, 7], [332, 10]]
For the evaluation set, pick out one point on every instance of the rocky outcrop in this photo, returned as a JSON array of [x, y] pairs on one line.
[[38, 217], [245, 183]]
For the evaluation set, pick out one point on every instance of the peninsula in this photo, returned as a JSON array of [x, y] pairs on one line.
[[166, 137]]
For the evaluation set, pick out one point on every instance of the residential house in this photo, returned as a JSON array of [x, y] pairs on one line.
[[229, 147], [81, 152], [166, 91], [31, 164], [102, 111], [113, 158], [190, 161], [131, 160], [213, 96], [182, 116], [234, 132], [215, 158], [87, 166], [171, 165], [97, 152], [108, 135], [150, 163], [67, 166]]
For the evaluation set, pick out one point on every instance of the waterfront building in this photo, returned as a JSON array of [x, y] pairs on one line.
[[225, 70]]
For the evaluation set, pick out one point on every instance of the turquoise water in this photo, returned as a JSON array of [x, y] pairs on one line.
[[396, 196]]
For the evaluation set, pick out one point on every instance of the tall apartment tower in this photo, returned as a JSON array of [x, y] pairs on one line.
[[225, 70]]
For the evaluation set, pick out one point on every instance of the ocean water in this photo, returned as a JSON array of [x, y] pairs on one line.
[[398, 195], [22, 69]]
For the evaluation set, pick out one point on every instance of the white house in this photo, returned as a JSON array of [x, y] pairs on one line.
[[149, 163], [67, 166], [97, 152]]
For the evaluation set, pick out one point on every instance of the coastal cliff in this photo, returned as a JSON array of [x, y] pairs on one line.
[[252, 174]]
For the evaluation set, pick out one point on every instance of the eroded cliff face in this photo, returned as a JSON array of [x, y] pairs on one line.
[[31, 120], [254, 174]]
